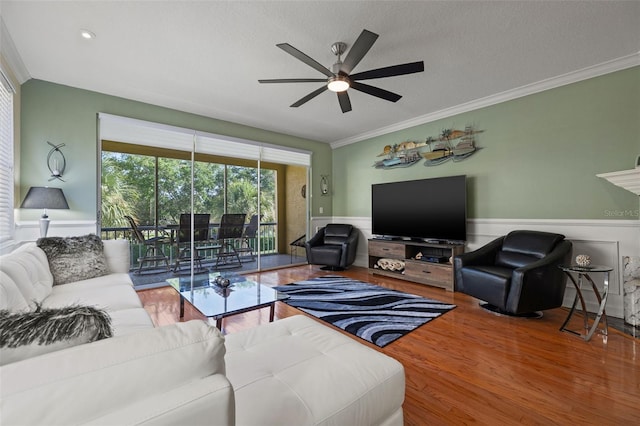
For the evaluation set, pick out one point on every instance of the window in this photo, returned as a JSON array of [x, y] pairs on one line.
[[6, 159], [155, 190], [158, 171]]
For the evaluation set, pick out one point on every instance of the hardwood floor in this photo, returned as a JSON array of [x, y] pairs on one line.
[[470, 366]]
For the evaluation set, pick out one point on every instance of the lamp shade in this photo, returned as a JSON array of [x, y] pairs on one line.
[[42, 197]]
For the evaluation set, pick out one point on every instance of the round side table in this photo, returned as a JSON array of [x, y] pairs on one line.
[[583, 272]]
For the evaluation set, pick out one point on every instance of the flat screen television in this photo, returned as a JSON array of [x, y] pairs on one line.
[[426, 209]]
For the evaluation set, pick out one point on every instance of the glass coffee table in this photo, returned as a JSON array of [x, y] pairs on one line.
[[216, 302]]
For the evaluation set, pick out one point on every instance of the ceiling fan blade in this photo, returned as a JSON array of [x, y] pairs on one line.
[[294, 80], [304, 58], [376, 91], [391, 71], [345, 102], [358, 50], [309, 97]]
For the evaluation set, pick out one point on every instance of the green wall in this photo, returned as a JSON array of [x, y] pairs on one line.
[[539, 158], [539, 155], [62, 114]]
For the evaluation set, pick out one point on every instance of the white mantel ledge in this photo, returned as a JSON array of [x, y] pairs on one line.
[[627, 179]]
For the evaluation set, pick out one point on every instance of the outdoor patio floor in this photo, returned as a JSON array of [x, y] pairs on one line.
[[157, 277]]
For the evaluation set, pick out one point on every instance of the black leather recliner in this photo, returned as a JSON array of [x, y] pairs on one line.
[[333, 246], [516, 274]]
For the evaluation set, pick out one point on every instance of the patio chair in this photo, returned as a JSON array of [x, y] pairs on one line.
[[295, 244], [200, 236], [231, 229], [249, 234], [153, 247]]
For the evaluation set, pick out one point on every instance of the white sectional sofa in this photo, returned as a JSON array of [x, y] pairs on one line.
[[25, 279], [294, 371]]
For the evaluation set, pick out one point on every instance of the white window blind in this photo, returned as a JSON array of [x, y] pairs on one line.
[[282, 156], [129, 130], [227, 147], [139, 132], [6, 159]]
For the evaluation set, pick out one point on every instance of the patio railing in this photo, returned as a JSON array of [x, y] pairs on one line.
[[268, 240]]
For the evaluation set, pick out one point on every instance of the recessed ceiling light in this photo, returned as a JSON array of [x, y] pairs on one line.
[[87, 34]]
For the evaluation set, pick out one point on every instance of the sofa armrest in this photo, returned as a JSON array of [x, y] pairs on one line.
[[317, 239], [525, 283], [91, 381], [117, 255], [204, 401], [350, 247], [485, 255]]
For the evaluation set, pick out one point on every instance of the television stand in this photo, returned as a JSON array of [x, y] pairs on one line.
[[424, 262]]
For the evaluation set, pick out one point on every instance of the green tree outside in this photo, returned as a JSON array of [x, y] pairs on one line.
[[128, 188]]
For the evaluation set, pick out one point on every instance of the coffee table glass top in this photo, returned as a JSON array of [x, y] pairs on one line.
[[214, 301]]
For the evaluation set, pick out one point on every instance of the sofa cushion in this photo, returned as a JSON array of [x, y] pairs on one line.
[[74, 258], [27, 269], [91, 382], [117, 254], [109, 298], [534, 243], [92, 283], [27, 334], [320, 376], [128, 321], [514, 260], [335, 233], [328, 255], [488, 283], [10, 296]]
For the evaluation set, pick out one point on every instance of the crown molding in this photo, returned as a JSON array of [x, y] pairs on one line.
[[11, 56], [608, 67]]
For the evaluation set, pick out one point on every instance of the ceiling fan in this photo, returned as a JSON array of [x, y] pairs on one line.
[[339, 78]]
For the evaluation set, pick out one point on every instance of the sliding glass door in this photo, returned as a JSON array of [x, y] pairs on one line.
[[156, 183]]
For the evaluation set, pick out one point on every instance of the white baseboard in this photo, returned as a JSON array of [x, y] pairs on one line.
[[605, 241]]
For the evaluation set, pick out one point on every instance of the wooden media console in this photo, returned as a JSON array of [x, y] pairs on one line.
[[421, 262]]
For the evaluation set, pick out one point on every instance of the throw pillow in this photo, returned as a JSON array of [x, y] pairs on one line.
[[27, 334], [74, 258]]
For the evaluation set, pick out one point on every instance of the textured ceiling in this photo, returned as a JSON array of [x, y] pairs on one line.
[[206, 57]]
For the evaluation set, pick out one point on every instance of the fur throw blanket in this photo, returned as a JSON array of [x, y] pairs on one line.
[[45, 326]]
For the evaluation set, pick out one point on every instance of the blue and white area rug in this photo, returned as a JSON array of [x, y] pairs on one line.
[[375, 314]]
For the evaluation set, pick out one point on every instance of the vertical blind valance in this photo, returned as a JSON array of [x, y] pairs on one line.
[[140, 132]]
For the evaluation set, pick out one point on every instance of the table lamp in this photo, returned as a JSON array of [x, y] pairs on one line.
[[43, 197]]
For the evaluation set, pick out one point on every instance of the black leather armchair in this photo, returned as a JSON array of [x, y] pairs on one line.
[[516, 274], [333, 246]]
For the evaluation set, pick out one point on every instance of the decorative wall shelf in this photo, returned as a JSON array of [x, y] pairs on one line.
[[451, 144], [627, 179]]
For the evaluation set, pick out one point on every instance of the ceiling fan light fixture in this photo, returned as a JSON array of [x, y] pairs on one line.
[[86, 34], [339, 78], [338, 83]]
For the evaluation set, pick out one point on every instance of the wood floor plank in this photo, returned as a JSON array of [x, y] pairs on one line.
[[471, 366]]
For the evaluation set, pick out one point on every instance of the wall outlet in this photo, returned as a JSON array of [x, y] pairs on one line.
[[321, 210]]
